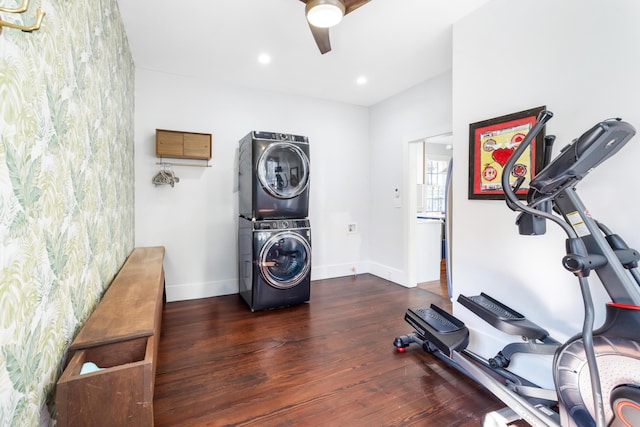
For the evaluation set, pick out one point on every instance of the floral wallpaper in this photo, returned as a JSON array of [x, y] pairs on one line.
[[66, 188]]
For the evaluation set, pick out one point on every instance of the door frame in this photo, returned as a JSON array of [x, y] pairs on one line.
[[409, 217]]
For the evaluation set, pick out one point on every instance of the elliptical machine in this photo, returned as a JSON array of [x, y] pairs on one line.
[[597, 372]]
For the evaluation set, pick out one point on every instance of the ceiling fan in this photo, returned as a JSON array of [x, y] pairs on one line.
[[323, 14]]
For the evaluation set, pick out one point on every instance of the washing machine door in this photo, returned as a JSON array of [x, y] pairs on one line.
[[283, 170], [285, 260]]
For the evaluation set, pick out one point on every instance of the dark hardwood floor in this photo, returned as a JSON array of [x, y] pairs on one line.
[[330, 362]]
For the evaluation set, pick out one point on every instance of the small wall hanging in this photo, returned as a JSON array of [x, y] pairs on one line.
[[23, 8], [165, 176]]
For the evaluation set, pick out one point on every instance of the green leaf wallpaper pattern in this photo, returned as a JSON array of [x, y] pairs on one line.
[[66, 189]]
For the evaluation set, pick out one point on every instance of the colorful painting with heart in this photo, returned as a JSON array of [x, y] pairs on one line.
[[491, 144]]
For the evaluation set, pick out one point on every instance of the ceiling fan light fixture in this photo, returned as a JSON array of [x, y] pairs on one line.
[[324, 13]]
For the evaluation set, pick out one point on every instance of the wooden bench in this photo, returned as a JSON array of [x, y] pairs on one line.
[[121, 336]]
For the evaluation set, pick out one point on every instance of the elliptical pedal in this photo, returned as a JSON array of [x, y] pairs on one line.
[[436, 320], [502, 317], [500, 310], [439, 328]]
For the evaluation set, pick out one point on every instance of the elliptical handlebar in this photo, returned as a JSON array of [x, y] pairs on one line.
[[512, 198], [510, 195]]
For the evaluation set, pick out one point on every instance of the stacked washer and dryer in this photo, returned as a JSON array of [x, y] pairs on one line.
[[274, 234]]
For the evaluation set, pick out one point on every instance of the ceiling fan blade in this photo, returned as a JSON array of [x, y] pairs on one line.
[[321, 36], [351, 5]]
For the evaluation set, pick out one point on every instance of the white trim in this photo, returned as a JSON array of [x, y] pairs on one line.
[[322, 272], [409, 213], [188, 291], [392, 274]]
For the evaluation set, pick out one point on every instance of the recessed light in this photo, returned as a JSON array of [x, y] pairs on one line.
[[264, 58], [361, 80]]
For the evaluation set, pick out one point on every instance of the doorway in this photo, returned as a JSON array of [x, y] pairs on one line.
[[429, 160]]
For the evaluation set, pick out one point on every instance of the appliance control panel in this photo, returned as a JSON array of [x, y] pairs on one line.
[[281, 224], [274, 136]]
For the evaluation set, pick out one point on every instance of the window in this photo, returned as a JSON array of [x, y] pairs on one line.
[[432, 164], [434, 188]]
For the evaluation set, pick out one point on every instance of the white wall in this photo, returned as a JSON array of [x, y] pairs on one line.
[[419, 112], [581, 59], [196, 220], [578, 57]]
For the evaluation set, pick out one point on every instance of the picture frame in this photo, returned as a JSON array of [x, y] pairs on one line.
[[491, 142]]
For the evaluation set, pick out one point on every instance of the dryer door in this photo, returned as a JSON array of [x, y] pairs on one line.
[[283, 170], [285, 260]]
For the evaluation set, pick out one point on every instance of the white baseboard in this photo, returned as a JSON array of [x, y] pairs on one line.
[[389, 273], [339, 270], [188, 291]]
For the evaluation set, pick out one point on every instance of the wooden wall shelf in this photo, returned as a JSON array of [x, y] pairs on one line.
[[183, 145]]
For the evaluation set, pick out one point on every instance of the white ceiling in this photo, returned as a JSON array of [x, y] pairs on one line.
[[396, 44]]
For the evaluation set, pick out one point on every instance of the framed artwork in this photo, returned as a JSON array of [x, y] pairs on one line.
[[491, 143]]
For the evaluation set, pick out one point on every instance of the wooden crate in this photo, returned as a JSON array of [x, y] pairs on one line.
[[121, 394], [121, 336]]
